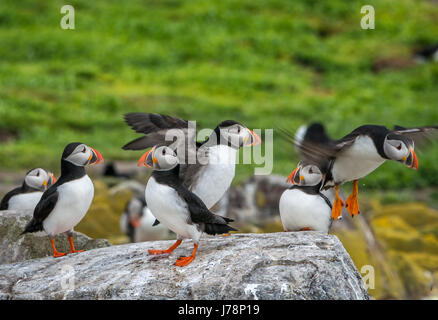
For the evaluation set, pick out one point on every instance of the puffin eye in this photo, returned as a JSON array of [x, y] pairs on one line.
[[38, 174], [238, 130], [85, 149], [164, 152], [399, 147], [310, 171]]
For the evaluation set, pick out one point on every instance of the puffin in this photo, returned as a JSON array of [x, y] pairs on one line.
[[137, 222], [206, 168], [303, 206], [25, 198], [65, 203], [175, 206], [358, 154]]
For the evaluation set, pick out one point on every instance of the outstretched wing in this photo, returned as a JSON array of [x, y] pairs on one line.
[[156, 127], [421, 135], [173, 132], [312, 148]]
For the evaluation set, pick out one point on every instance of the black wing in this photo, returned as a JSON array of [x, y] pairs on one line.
[[5, 201], [421, 135], [42, 210], [156, 127], [210, 223]]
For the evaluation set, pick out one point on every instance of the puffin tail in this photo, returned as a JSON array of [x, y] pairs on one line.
[[32, 226], [219, 228]]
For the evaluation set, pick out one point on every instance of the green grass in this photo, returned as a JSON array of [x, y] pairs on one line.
[[264, 63]]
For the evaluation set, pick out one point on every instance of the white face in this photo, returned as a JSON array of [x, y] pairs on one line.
[[37, 179], [396, 149], [162, 158], [309, 175], [81, 155], [237, 135]]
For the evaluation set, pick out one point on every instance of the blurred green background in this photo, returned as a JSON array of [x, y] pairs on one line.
[[260, 62], [263, 63]]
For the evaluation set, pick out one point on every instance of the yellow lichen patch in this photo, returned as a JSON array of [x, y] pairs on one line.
[[416, 281], [414, 214], [386, 284]]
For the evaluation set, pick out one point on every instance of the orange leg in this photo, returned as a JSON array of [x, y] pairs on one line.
[[72, 246], [306, 229], [337, 205], [169, 251], [226, 234], [183, 261], [56, 253], [351, 203]]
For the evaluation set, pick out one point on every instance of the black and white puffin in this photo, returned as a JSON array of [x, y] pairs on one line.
[[206, 168], [26, 197], [65, 203], [304, 206], [359, 153], [175, 206], [137, 222]]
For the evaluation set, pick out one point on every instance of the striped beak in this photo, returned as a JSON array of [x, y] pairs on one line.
[[147, 159], [412, 161], [253, 139], [295, 176], [51, 180], [95, 157]]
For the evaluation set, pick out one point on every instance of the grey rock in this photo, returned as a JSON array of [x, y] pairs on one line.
[[303, 265], [15, 247]]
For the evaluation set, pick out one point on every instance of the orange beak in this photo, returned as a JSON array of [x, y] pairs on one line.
[[145, 161], [255, 139], [52, 179], [96, 157], [135, 222], [291, 177], [414, 164]]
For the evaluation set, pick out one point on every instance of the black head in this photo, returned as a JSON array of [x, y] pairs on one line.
[[81, 155], [234, 134], [400, 148]]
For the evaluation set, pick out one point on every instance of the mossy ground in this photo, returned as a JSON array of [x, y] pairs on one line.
[[265, 63]]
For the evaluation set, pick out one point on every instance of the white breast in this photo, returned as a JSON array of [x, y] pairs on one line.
[[168, 207], [357, 161], [216, 177], [301, 210], [25, 202], [147, 232], [74, 200]]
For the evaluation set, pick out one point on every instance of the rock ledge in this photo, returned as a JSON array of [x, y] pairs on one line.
[[303, 265]]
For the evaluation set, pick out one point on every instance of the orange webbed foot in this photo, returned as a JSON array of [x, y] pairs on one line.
[[352, 205], [167, 251], [184, 261], [76, 251], [58, 254], [226, 234], [338, 204], [157, 252], [306, 229]]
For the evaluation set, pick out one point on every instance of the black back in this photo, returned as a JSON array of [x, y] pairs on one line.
[[48, 200], [24, 188]]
